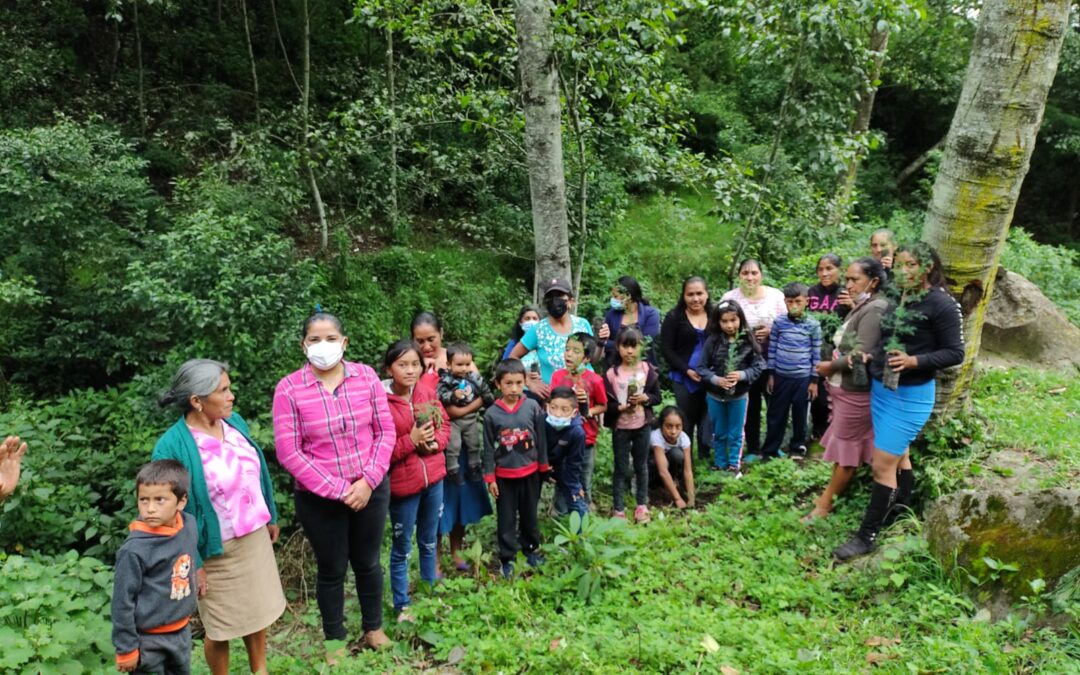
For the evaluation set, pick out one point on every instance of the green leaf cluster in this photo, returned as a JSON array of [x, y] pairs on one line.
[[53, 615]]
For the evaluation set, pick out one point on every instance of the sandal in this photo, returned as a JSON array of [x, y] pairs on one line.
[[376, 640], [336, 652]]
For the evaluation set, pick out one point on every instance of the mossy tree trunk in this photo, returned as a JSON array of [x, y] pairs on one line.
[[543, 138], [987, 154]]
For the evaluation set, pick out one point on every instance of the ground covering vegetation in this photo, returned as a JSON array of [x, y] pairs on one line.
[[169, 173]]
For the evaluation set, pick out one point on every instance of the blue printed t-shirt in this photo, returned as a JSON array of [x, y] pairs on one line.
[[550, 346]]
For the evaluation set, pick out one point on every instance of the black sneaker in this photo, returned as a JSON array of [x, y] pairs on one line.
[[853, 548], [455, 477], [476, 473]]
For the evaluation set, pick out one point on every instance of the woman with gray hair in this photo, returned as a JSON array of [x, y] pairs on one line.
[[232, 501]]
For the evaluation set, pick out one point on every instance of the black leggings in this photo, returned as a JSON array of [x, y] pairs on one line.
[[753, 415], [342, 537], [696, 412]]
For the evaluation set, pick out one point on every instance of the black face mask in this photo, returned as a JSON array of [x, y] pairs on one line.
[[556, 306]]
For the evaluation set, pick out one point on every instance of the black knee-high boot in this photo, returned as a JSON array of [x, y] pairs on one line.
[[865, 539], [905, 486]]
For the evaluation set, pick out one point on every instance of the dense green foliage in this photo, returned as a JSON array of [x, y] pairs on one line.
[[54, 615]]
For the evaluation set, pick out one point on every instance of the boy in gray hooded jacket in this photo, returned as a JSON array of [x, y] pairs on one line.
[[154, 590]]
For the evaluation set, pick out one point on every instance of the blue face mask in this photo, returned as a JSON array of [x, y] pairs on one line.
[[559, 422], [617, 304]]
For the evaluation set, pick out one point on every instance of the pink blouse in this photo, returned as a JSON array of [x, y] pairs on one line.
[[329, 440], [233, 474]]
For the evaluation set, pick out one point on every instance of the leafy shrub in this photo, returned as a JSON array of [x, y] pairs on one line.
[[78, 482], [54, 615], [1054, 269], [224, 285], [75, 205]]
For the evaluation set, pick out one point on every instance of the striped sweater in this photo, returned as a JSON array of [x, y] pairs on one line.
[[794, 346]]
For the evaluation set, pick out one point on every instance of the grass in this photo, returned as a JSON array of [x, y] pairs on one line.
[[645, 244], [1035, 411], [738, 582]]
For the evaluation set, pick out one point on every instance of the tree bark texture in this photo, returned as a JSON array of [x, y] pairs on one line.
[[987, 154], [864, 110], [543, 138]]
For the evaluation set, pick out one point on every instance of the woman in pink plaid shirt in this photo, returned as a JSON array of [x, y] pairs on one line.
[[334, 433]]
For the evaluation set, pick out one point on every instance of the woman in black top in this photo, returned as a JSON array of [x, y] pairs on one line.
[[825, 300], [682, 336], [921, 333]]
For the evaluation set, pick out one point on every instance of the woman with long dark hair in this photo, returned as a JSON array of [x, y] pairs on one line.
[[682, 336], [629, 308]]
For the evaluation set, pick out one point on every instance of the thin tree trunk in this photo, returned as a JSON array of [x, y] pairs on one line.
[[583, 175], [251, 58], [920, 161], [391, 94], [139, 61], [543, 138], [778, 135], [281, 43], [864, 110], [987, 154], [115, 57], [324, 231]]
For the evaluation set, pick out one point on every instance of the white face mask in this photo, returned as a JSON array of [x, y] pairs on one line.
[[559, 422], [325, 355], [526, 325]]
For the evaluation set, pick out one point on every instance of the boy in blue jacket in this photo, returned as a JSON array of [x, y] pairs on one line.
[[566, 447], [794, 349]]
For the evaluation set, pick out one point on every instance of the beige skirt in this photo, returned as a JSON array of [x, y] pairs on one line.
[[243, 593]]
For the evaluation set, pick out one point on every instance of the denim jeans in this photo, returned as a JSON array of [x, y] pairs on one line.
[[421, 512], [728, 420]]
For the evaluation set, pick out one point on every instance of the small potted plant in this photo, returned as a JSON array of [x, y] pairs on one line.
[[898, 324], [429, 412], [731, 364], [850, 347]]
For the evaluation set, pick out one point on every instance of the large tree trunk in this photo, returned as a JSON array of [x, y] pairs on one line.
[[987, 154], [860, 126], [543, 138]]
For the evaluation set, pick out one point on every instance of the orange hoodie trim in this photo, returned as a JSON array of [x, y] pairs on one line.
[[163, 530], [129, 659], [169, 627]]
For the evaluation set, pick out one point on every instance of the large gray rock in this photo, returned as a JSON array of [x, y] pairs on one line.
[[1025, 327], [1037, 532]]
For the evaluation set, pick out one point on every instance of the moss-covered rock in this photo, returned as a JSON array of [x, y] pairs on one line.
[[1006, 540]]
